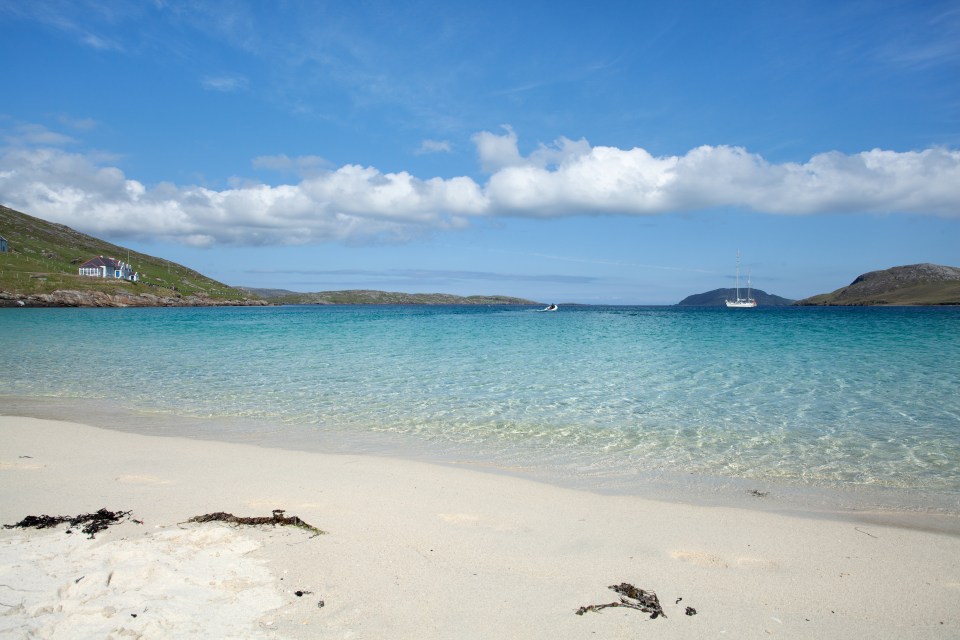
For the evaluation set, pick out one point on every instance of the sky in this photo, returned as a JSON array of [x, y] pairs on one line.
[[597, 153]]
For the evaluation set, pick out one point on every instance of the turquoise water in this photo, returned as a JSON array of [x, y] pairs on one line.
[[615, 398]]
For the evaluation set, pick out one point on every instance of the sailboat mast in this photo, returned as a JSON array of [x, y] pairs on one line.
[[738, 275]]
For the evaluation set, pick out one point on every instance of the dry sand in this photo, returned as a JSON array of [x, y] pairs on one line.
[[422, 551]]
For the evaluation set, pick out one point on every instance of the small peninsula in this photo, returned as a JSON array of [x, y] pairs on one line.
[[366, 296]]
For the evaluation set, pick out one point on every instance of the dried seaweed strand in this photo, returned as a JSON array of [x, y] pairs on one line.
[[632, 598], [276, 519]]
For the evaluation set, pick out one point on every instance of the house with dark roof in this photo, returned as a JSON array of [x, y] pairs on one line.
[[101, 267]]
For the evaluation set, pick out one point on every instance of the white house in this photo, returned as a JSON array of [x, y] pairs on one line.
[[101, 267]]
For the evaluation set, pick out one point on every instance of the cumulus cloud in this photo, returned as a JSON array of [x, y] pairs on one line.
[[497, 152], [632, 181], [349, 203], [357, 203]]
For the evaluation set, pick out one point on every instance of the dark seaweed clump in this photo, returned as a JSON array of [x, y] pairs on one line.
[[632, 598], [93, 523], [276, 519]]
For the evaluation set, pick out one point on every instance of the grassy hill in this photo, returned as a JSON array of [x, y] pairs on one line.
[[916, 284], [44, 257], [365, 296]]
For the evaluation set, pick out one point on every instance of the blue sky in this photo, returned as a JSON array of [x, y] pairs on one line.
[[620, 152]]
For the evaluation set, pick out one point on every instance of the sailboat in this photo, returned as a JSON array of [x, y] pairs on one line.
[[741, 303]]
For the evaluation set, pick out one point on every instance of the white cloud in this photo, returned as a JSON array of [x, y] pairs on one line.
[[433, 146], [591, 180], [349, 203], [497, 152], [600, 179], [354, 202]]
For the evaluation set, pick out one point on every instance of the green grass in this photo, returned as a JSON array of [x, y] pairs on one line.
[[44, 257]]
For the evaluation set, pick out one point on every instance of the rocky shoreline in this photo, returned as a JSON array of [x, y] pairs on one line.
[[69, 298]]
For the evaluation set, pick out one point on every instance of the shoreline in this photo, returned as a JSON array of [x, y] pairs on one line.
[[432, 551], [913, 509]]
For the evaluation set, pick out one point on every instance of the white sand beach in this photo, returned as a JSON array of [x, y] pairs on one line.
[[414, 550]]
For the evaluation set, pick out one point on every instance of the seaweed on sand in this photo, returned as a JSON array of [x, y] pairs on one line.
[[93, 522], [632, 598], [276, 519]]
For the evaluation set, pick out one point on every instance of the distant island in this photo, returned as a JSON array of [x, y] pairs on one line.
[[718, 297], [366, 296], [915, 284]]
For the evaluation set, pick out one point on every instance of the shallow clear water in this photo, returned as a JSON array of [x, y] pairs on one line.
[[611, 396]]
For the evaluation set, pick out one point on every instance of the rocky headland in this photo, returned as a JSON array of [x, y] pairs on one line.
[[915, 284]]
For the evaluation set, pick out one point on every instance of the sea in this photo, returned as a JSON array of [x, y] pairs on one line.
[[816, 409]]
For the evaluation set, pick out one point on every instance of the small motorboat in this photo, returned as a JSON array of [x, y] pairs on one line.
[[551, 307]]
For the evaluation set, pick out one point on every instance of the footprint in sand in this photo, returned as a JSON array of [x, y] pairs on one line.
[[700, 558]]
